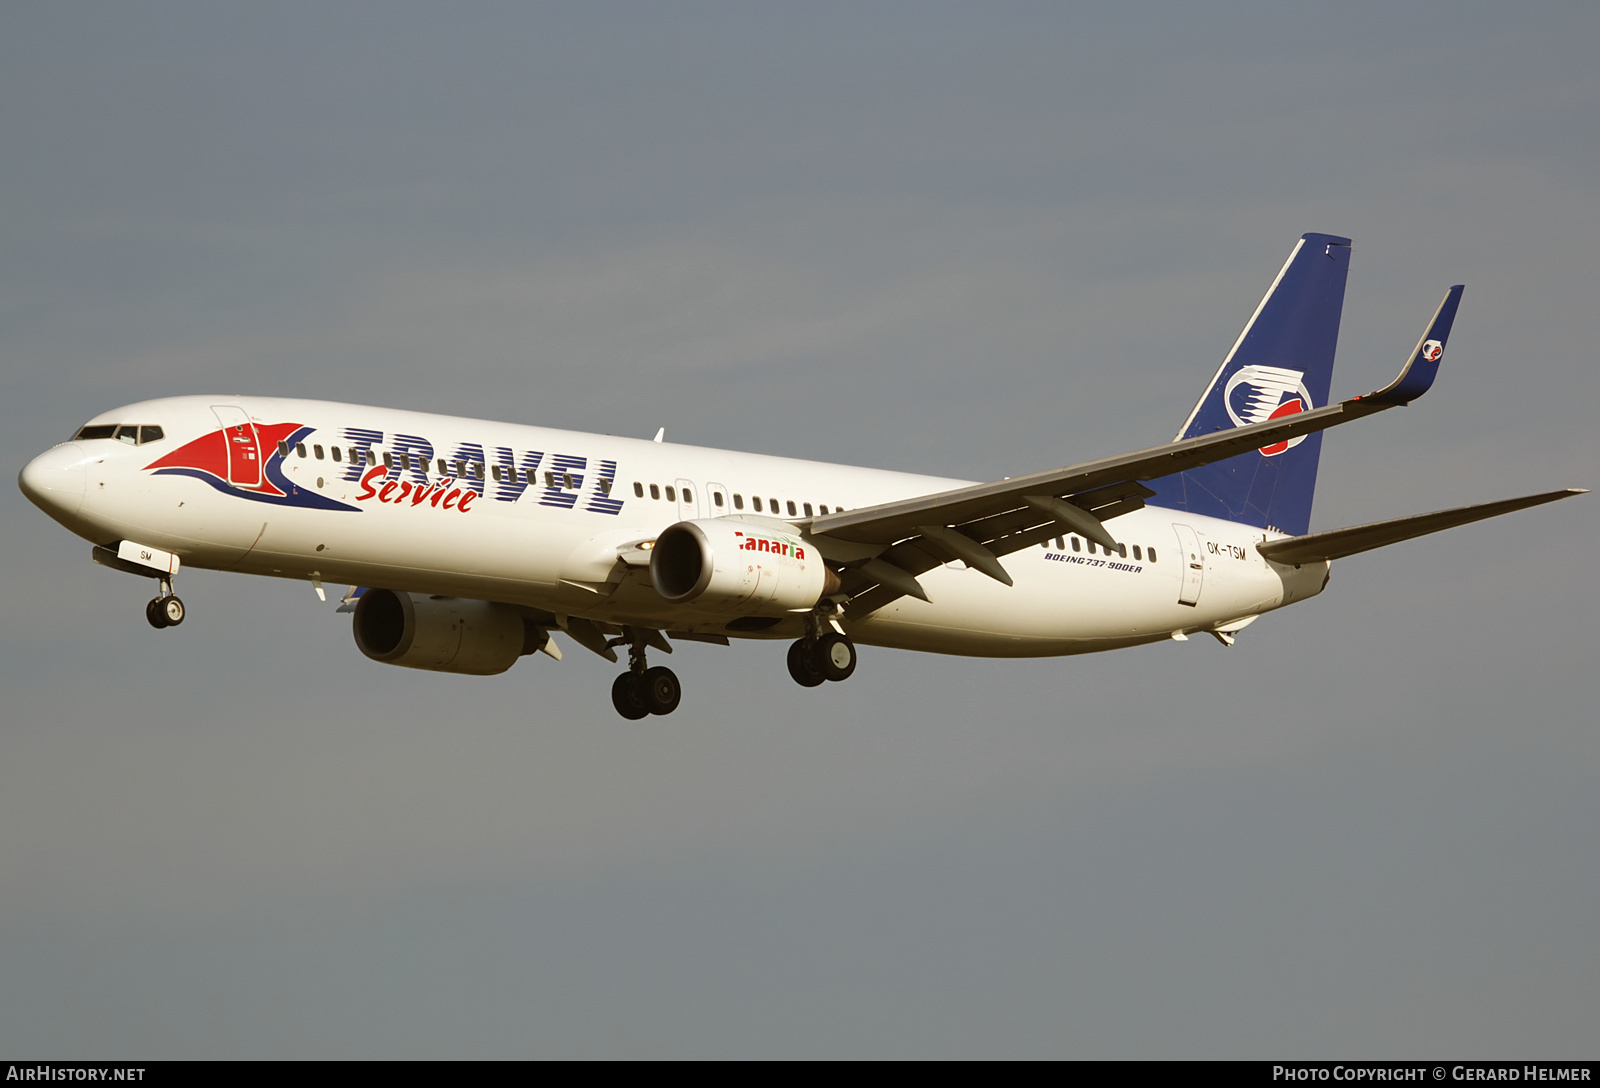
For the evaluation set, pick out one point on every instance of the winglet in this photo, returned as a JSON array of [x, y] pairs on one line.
[[1423, 366]]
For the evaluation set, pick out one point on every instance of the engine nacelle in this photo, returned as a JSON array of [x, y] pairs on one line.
[[738, 568], [445, 634]]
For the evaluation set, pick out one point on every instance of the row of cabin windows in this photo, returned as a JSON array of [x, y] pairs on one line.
[[134, 434], [671, 492], [468, 469], [1121, 550], [657, 490]]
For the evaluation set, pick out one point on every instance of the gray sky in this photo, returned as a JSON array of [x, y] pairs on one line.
[[969, 239]]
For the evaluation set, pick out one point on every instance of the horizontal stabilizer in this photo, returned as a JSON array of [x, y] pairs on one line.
[[1338, 543]]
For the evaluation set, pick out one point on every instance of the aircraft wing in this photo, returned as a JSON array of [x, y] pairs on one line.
[[1338, 543], [980, 523]]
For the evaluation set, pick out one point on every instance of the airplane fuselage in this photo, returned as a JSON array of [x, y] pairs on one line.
[[536, 517]]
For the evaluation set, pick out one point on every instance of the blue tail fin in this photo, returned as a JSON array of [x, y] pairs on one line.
[[1282, 363]]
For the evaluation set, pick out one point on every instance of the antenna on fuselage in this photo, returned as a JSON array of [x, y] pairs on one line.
[[661, 433]]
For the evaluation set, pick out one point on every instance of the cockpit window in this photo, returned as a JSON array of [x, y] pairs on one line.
[[134, 434]]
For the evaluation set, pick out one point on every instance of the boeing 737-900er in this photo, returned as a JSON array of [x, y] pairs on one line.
[[470, 544]]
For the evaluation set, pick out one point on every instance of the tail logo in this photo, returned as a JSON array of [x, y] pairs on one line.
[[1431, 351], [1258, 393]]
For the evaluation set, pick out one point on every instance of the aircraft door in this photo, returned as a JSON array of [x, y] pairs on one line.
[[1192, 559], [244, 447], [688, 500]]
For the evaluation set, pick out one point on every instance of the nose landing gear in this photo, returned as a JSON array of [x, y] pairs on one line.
[[166, 610], [641, 690]]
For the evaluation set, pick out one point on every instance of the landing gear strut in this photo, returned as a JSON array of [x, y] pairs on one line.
[[166, 610], [642, 690], [824, 654]]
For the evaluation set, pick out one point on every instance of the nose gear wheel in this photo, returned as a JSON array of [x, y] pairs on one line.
[[166, 610]]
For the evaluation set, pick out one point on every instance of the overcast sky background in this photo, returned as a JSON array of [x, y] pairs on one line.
[[972, 240]]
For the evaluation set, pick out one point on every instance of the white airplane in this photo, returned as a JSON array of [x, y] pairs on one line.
[[475, 542]]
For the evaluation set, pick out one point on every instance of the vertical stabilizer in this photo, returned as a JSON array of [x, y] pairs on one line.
[[1282, 363]]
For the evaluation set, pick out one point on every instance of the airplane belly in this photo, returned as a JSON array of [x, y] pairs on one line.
[[1056, 606]]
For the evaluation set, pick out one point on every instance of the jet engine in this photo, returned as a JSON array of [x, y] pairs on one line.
[[737, 568], [445, 634]]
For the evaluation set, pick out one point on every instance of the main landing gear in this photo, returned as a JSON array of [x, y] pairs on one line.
[[642, 691], [166, 610], [824, 654]]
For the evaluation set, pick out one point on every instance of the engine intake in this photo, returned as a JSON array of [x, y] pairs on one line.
[[738, 568], [443, 634]]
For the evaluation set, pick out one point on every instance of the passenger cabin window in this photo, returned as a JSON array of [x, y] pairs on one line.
[[655, 492], [605, 487], [283, 449], [494, 471], [1136, 554], [688, 496], [638, 489], [808, 509], [738, 501], [444, 469], [316, 451], [566, 480], [755, 502], [1075, 545], [300, 450], [792, 510], [672, 496], [388, 459], [824, 509], [338, 455], [716, 498], [1152, 554], [773, 503]]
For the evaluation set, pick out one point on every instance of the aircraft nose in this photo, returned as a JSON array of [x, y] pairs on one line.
[[55, 480]]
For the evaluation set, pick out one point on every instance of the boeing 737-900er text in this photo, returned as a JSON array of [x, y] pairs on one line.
[[470, 544]]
